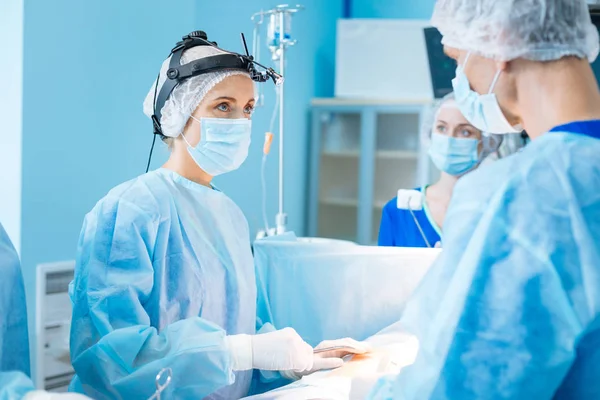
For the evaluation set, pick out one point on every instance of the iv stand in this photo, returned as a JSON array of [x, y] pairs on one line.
[[280, 12], [281, 218]]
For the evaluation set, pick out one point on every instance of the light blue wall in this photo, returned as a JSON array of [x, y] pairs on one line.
[[87, 68], [409, 9]]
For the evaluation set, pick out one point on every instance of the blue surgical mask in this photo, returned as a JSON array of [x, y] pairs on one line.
[[454, 156], [223, 145], [483, 111]]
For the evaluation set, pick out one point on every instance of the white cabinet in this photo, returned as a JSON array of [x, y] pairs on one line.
[[53, 320], [361, 154]]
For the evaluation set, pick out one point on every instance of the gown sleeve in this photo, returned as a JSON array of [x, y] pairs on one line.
[[14, 339], [115, 351], [503, 309]]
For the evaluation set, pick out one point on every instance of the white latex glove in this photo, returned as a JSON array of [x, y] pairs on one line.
[[350, 346], [43, 395], [282, 350], [330, 359]]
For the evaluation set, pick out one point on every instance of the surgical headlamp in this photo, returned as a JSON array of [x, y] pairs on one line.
[[177, 73]]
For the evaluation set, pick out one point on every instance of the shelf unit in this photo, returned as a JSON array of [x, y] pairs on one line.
[[361, 153]]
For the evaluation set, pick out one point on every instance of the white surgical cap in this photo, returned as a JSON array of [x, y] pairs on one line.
[[538, 30], [490, 142], [186, 96]]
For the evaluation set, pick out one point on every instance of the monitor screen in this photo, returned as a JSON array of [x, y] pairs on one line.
[[441, 67], [596, 22]]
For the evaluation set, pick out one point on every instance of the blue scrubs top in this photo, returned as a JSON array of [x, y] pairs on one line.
[[398, 227], [586, 128]]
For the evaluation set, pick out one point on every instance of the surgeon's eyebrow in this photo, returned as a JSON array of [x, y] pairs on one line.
[[226, 98]]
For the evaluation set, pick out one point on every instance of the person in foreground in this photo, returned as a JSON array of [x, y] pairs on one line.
[[456, 147], [164, 274], [511, 309], [14, 350]]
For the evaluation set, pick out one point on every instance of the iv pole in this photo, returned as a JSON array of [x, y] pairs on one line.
[[278, 38], [281, 218]]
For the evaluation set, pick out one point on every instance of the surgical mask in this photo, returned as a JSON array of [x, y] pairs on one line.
[[483, 111], [223, 145], [454, 156]]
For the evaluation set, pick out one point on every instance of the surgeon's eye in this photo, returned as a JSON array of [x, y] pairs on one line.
[[440, 129], [467, 133], [223, 107], [249, 110]]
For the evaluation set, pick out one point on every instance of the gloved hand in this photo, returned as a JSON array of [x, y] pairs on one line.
[[330, 359], [282, 350], [349, 346]]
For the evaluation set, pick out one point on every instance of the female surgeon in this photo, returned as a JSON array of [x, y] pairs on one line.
[[455, 147], [511, 309], [164, 274]]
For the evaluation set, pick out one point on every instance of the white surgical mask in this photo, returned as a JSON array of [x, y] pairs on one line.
[[483, 111], [223, 145]]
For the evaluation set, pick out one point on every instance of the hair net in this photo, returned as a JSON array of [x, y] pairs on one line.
[[539, 30], [186, 96], [491, 142]]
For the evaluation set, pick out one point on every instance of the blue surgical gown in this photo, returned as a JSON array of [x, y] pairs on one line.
[[14, 385], [14, 339], [164, 271], [511, 309], [398, 227]]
